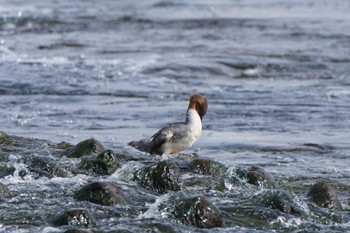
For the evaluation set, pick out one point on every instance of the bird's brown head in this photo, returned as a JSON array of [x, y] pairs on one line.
[[199, 103]]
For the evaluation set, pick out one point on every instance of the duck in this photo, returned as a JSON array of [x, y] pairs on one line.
[[176, 137]]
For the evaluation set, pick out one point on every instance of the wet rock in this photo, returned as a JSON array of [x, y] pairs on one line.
[[106, 163], [4, 191], [25, 144], [6, 171], [280, 200], [75, 217], [89, 147], [46, 166], [258, 176], [102, 193], [62, 146], [206, 167], [161, 177], [4, 138], [324, 195], [198, 212]]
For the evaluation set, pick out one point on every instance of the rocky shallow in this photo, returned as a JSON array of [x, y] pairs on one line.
[[96, 189]]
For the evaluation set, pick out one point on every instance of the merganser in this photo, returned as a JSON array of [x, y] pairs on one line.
[[178, 136]]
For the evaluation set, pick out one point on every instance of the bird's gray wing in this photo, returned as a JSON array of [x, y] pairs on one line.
[[154, 144], [158, 139]]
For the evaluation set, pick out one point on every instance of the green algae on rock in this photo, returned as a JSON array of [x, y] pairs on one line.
[[258, 176], [206, 167], [102, 193], [161, 177], [324, 195], [89, 147], [46, 166], [106, 163], [198, 212]]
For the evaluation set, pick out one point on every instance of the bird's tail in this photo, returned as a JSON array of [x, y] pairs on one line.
[[142, 145]]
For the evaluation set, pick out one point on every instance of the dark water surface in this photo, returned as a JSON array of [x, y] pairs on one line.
[[276, 75]]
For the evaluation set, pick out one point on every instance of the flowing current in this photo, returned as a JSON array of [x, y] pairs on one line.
[[276, 75]]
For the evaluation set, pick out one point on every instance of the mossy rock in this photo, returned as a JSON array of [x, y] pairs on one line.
[[46, 166], [75, 217], [161, 177], [106, 163], [280, 200], [198, 212], [102, 193], [206, 167], [258, 176], [89, 147], [324, 195]]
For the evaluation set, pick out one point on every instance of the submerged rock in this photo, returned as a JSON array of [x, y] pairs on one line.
[[198, 212], [75, 217], [203, 183], [206, 167], [324, 195], [102, 193], [89, 147], [161, 177], [106, 163], [258, 176], [6, 171], [280, 200], [46, 166]]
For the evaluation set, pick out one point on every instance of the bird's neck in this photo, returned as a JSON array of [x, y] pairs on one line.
[[193, 118]]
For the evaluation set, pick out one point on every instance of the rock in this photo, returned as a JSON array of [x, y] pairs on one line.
[[46, 166], [161, 177], [102, 193], [89, 147], [62, 145], [206, 167], [280, 200], [4, 138], [75, 217], [324, 195], [4, 191], [258, 176], [106, 163], [198, 212], [6, 171]]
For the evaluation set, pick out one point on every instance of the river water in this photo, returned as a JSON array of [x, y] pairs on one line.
[[276, 75]]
